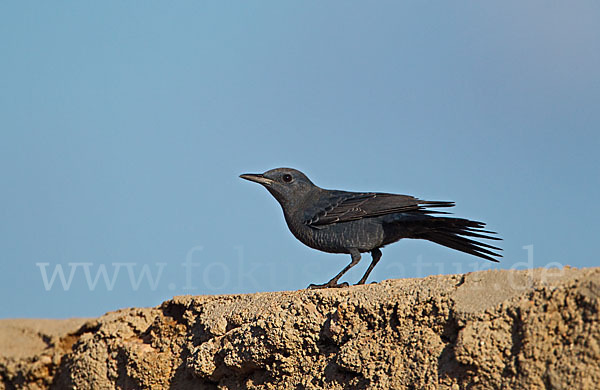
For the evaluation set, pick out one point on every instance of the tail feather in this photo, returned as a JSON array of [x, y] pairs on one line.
[[450, 242], [451, 232], [478, 234]]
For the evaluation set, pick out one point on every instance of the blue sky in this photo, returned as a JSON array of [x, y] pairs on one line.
[[125, 126]]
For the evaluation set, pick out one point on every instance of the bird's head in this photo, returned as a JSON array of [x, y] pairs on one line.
[[289, 186]]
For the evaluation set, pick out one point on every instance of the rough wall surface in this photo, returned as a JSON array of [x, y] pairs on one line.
[[536, 329]]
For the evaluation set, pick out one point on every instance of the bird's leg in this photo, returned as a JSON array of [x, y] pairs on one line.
[[334, 282], [376, 255]]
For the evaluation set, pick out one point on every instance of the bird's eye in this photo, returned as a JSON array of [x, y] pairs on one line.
[[287, 178]]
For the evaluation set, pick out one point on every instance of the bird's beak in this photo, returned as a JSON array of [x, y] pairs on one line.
[[257, 178]]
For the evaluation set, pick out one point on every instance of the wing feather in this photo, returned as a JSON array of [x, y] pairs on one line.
[[342, 206]]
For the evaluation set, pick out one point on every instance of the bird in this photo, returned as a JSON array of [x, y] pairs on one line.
[[336, 221]]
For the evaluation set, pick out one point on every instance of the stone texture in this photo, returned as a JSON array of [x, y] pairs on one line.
[[536, 329]]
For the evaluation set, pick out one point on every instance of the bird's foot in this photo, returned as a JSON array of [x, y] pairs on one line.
[[330, 284]]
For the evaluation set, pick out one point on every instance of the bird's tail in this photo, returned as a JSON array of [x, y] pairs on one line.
[[455, 232]]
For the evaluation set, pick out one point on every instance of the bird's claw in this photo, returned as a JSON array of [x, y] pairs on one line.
[[330, 284]]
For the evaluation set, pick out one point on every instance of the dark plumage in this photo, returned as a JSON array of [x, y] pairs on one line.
[[355, 222]]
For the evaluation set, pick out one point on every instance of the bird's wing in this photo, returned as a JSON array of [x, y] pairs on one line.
[[350, 206]]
